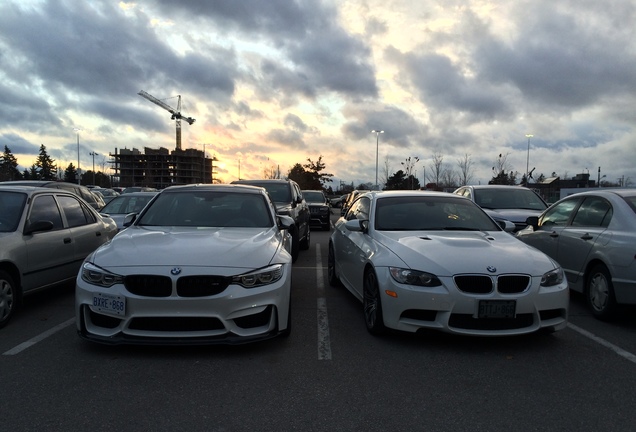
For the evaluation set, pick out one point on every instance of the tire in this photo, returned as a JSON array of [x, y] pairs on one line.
[[332, 277], [372, 304], [295, 246], [304, 244], [8, 297], [599, 293]]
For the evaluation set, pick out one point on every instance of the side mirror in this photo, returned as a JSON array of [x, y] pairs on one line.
[[357, 225], [285, 222], [506, 225], [38, 226], [130, 219], [533, 221]]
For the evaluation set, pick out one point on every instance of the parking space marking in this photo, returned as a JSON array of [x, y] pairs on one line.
[[618, 350], [324, 342], [24, 345]]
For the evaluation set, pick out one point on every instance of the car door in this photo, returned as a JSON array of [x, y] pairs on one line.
[[353, 249], [50, 254], [86, 234], [577, 239], [551, 224]]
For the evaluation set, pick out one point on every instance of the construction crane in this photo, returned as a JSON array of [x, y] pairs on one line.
[[176, 113]]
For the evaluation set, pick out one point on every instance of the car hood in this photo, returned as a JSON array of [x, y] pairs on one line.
[[446, 253], [185, 246], [513, 215]]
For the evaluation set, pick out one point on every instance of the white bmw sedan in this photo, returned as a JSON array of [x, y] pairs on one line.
[[433, 260], [200, 264]]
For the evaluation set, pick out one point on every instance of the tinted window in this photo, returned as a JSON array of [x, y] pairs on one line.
[[73, 211], [44, 208], [314, 197], [359, 209], [11, 206], [559, 214], [593, 212]]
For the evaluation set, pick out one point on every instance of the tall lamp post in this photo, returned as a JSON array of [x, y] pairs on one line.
[[93, 154], [377, 144], [203, 174], [78, 155], [528, 157]]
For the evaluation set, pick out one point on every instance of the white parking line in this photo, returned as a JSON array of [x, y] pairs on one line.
[[324, 343], [39, 338], [621, 352]]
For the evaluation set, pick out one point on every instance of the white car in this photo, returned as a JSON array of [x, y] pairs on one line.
[[434, 260], [200, 264]]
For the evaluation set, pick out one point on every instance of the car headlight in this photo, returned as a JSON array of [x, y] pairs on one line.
[[553, 277], [414, 277], [98, 276], [259, 277]]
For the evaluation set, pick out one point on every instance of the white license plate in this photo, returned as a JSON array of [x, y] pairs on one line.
[[109, 303]]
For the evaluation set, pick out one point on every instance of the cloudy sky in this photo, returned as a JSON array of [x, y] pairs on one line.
[[272, 83]]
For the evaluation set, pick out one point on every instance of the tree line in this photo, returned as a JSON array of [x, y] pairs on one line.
[[45, 168]]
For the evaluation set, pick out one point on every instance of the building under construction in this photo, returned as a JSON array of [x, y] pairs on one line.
[[160, 168]]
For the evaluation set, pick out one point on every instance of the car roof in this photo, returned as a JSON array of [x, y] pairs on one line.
[[493, 186], [32, 189], [261, 181], [237, 188], [623, 192]]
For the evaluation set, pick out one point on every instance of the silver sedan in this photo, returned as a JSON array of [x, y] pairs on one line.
[[593, 236], [45, 235], [434, 260]]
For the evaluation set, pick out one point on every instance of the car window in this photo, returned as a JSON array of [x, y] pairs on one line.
[[125, 204], [559, 214], [11, 206], [359, 209], [314, 197], [593, 212], [44, 208], [73, 210], [280, 192]]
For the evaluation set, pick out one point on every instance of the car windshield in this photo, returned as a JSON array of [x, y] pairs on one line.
[[207, 209], [124, 204], [412, 213], [314, 197], [513, 198], [11, 206]]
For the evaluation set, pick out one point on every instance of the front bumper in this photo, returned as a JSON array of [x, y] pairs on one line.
[[448, 309]]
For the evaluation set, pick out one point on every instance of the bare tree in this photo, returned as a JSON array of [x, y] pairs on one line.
[[449, 179], [437, 168], [466, 170]]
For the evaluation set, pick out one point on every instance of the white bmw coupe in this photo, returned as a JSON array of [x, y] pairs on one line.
[[432, 260], [200, 264]]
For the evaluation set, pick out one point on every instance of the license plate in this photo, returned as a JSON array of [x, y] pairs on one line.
[[109, 303], [497, 308]]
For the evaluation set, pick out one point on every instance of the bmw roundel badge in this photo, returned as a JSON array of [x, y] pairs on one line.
[[491, 269], [175, 271]]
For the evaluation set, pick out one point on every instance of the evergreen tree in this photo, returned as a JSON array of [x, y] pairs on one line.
[[70, 173], [46, 165], [9, 166], [315, 178], [298, 174]]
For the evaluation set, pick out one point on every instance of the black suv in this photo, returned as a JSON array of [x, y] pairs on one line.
[[83, 192], [319, 208], [289, 201]]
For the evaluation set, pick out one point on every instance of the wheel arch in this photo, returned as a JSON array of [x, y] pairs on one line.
[[14, 272]]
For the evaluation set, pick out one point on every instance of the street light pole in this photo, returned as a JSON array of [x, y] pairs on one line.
[[78, 156], [94, 154], [203, 175], [528, 157], [377, 145]]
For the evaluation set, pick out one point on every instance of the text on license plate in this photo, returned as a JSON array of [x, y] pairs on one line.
[[109, 303], [497, 308]]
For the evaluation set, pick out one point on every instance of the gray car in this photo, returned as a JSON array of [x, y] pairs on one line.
[[45, 235], [593, 236], [505, 203], [124, 204]]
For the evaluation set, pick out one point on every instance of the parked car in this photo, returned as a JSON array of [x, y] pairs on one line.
[[418, 260], [501, 202], [45, 234], [106, 193], [338, 201], [200, 264], [121, 205], [85, 193], [289, 201], [593, 236], [319, 209], [350, 198]]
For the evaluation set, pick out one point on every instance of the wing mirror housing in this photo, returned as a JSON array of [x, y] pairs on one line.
[[36, 226], [357, 225], [506, 225], [285, 222], [130, 219], [533, 221]]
